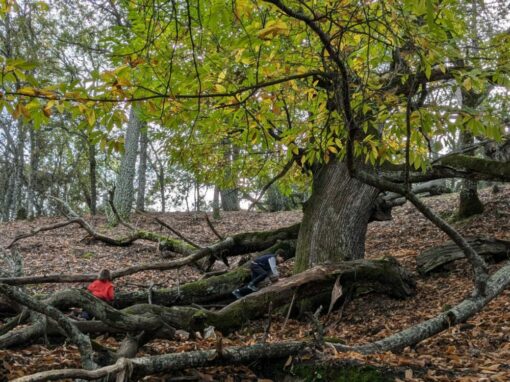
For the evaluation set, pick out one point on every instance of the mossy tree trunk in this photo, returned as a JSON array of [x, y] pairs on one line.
[[469, 202]]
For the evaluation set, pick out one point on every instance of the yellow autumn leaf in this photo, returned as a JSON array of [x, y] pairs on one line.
[[243, 8], [91, 117], [27, 91], [219, 88], [468, 85], [273, 28], [60, 107]]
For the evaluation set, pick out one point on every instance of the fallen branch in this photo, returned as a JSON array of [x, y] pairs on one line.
[[163, 241], [38, 230], [477, 263], [211, 226], [175, 232], [178, 361], [436, 258], [232, 246]]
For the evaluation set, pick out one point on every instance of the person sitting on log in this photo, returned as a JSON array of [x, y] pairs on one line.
[[102, 288], [262, 267]]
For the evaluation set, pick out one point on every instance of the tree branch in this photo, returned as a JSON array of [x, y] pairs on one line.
[[477, 263]]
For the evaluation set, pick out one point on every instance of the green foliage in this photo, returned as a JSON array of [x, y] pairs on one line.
[[241, 71]]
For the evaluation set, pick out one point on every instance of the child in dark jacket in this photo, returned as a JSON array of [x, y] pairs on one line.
[[102, 288], [262, 267]]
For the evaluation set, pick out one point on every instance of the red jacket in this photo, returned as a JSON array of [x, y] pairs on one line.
[[102, 290]]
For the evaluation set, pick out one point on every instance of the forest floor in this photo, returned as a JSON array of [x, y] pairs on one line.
[[476, 351]]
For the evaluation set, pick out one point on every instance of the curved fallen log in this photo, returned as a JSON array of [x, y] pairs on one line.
[[434, 259], [205, 291], [382, 276]]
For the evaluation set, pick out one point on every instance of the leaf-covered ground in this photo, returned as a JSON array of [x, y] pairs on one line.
[[476, 351]]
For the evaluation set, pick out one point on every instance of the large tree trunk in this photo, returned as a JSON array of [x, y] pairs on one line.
[[124, 190], [335, 218]]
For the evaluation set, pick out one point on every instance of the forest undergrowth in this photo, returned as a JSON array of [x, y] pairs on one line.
[[477, 350]]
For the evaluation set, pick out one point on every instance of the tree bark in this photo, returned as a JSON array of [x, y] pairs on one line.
[[216, 203], [335, 218], [469, 202], [92, 177], [124, 191], [142, 170], [230, 194], [434, 259], [34, 167]]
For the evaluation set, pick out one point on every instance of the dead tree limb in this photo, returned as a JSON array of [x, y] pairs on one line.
[[144, 366], [52, 375], [175, 232], [213, 229], [164, 242], [436, 258], [37, 230]]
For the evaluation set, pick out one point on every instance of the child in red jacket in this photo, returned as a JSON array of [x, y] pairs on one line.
[[102, 288]]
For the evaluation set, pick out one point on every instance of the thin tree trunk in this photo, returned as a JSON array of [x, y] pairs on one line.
[[142, 170], [34, 164], [162, 188], [216, 203], [469, 202], [229, 195], [18, 174], [124, 189], [92, 177]]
